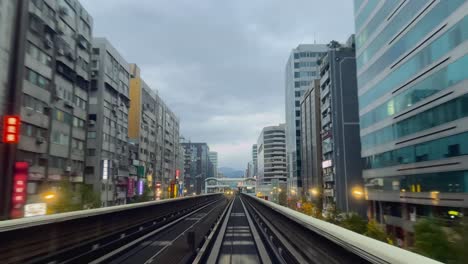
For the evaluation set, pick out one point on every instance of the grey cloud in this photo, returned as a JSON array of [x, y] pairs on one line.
[[219, 64]]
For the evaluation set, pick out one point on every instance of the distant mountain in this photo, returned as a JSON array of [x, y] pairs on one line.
[[231, 173]]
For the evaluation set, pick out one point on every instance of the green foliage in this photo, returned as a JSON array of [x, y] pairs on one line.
[[460, 242], [283, 199], [307, 208], [354, 222], [432, 241], [375, 231], [89, 198], [146, 196], [66, 200]]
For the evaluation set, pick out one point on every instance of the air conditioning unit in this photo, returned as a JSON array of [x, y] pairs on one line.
[[63, 11], [68, 169], [60, 29], [60, 51], [70, 55], [92, 123], [48, 43], [29, 111], [40, 140], [68, 104], [93, 74]]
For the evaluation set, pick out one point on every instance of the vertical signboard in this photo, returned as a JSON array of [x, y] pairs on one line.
[[20, 179], [11, 128], [105, 169]]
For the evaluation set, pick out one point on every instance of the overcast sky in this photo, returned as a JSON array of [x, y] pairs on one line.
[[219, 64]]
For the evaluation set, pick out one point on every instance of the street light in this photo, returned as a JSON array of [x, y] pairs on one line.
[[49, 196], [357, 192], [314, 192]]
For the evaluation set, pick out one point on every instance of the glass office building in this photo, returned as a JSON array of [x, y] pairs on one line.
[[301, 70], [413, 106]]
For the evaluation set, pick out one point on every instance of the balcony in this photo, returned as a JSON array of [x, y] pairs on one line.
[[328, 192], [329, 178], [326, 120]]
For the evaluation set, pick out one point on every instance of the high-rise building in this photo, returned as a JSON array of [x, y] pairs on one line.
[[52, 92], [107, 164], [13, 18], [214, 160], [301, 70], [341, 163], [311, 144], [254, 159], [196, 166], [271, 159], [155, 130], [249, 170], [413, 98]]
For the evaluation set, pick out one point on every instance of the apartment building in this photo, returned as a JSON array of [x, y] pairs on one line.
[[154, 129], [107, 165], [54, 95]]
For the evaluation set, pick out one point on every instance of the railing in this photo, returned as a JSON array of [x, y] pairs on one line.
[[70, 234], [306, 239]]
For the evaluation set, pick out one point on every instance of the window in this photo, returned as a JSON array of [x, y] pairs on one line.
[[34, 24], [77, 144], [298, 113], [96, 51], [297, 94], [441, 114], [57, 162], [452, 38], [63, 117], [438, 81], [448, 182], [296, 65], [38, 54], [297, 74], [78, 122], [33, 103], [32, 131], [91, 152], [297, 84], [80, 103], [36, 79], [297, 103], [91, 134], [60, 138], [441, 148]]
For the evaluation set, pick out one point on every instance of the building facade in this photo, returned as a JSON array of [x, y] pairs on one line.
[[196, 166], [254, 160], [271, 160], [155, 130], [311, 144], [107, 166], [54, 94], [214, 161], [413, 93], [341, 166], [301, 70]]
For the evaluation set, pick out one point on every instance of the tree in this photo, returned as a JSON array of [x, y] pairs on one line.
[[89, 198], [354, 222], [146, 196], [283, 199], [334, 44], [375, 231], [460, 242], [432, 241], [307, 208], [65, 199]]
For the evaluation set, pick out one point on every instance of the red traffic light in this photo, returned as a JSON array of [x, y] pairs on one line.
[[11, 129]]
